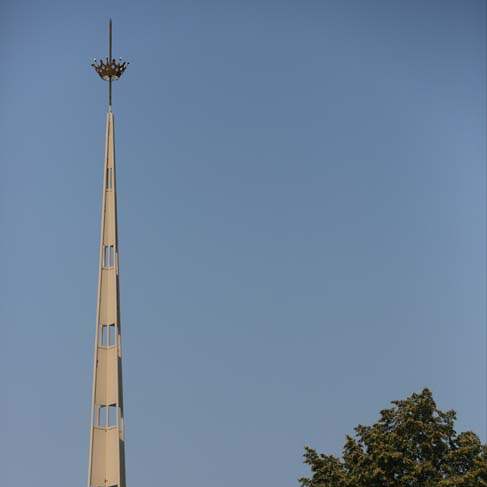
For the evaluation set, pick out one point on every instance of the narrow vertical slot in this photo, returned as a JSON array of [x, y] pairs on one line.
[[104, 336], [112, 331], [109, 178], [108, 256], [112, 415], [105, 255], [102, 416]]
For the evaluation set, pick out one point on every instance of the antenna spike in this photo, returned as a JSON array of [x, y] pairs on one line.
[[110, 41]]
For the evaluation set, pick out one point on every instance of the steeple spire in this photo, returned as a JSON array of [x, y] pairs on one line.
[[107, 438]]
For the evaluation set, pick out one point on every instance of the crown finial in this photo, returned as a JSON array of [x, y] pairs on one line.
[[110, 69]]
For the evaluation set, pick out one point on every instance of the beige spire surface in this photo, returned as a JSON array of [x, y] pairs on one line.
[[107, 443]]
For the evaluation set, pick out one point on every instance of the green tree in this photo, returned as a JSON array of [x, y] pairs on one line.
[[413, 444]]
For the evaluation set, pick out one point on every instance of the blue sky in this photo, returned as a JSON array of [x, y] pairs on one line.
[[301, 222]]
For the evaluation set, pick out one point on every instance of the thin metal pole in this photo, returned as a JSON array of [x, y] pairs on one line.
[[110, 62], [110, 41]]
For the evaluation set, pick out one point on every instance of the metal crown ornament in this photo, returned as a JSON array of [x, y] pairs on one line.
[[110, 70]]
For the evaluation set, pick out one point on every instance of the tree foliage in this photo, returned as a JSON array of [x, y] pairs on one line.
[[413, 444]]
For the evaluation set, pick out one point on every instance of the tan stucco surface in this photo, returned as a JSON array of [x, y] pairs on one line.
[[106, 462]]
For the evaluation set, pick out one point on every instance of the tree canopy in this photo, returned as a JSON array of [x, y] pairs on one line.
[[413, 444]]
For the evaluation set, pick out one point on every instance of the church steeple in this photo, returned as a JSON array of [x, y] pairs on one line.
[[107, 439]]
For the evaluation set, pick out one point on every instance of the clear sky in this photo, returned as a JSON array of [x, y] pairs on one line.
[[301, 219]]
